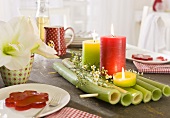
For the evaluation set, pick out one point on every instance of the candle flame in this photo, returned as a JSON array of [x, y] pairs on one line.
[[112, 30], [94, 35], [123, 73]]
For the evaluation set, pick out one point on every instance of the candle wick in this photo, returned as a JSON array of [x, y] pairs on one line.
[[94, 41], [123, 73], [113, 35]]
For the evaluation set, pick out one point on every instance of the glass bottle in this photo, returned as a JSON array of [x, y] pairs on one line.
[[42, 16]]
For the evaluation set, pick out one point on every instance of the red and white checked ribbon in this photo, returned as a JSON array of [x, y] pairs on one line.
[[152, 68], [69, 112]]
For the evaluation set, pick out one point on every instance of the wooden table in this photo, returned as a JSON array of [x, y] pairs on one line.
[[159, 109]]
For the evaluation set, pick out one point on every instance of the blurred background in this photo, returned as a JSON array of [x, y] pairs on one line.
[[87, 15]]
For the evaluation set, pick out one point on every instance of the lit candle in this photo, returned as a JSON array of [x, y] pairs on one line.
[[124, 79], [112, 52], [91, 52]]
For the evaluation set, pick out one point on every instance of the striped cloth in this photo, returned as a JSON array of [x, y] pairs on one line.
[[68, 112], [152, 68]]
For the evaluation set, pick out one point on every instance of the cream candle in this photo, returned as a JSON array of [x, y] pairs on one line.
[[124, 79], [91, 53]]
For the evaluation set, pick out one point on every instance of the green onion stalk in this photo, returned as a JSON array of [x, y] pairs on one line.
[[147, 95], [164, 88], [137, 96], [126, 97], [111, 96], [156, 92]]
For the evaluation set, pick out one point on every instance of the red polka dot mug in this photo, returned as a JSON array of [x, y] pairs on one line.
[[55, 37]]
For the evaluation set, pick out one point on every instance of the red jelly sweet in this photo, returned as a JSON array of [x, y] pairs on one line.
[[26, 100], [161, 58], [142, 57]]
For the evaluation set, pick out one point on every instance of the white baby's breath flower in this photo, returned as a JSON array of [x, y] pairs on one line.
[[103, 71], [80, 59], [84, 67], [98, 72], [108, 76], [106, 81], [93, 67], [96, 75]]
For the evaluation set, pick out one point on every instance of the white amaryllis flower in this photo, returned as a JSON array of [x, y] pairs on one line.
[[18, 40]]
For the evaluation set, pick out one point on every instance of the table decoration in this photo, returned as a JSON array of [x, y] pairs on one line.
[[19, 40], [146, 94], [164, 88], [112, 52], [109, 95], [91, 51], [124, 79], [85, 77], [137, 96], [89, 95], [156, 92], [126, 97]]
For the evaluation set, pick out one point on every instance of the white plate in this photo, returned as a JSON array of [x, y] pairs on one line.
[[152, 54], [6, 112]]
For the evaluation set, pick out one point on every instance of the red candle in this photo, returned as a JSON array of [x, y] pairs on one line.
[[112, 53]]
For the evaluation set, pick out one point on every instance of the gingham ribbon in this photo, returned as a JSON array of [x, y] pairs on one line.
[[68, 112], [152, 68]]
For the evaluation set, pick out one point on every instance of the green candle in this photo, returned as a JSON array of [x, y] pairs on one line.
[[91, 53]]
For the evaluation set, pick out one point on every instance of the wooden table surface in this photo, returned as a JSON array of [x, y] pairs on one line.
[[159, 109]]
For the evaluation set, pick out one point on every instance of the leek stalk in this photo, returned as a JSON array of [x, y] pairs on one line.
[[146, 94], [106, 94], [126, 97], [164, 88], [156, 92]]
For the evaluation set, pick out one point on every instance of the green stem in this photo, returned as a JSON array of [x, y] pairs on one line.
[[146, 94], [137, 96], [109, 95], [156, 92], [164, 88], [68, 63], [126, 97]]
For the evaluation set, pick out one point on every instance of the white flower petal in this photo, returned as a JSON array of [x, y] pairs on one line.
[[4, 59], [27, 40], [34, 26], [18, 62], [6, 32], [24, 31], [14, 21], [46, 51]]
